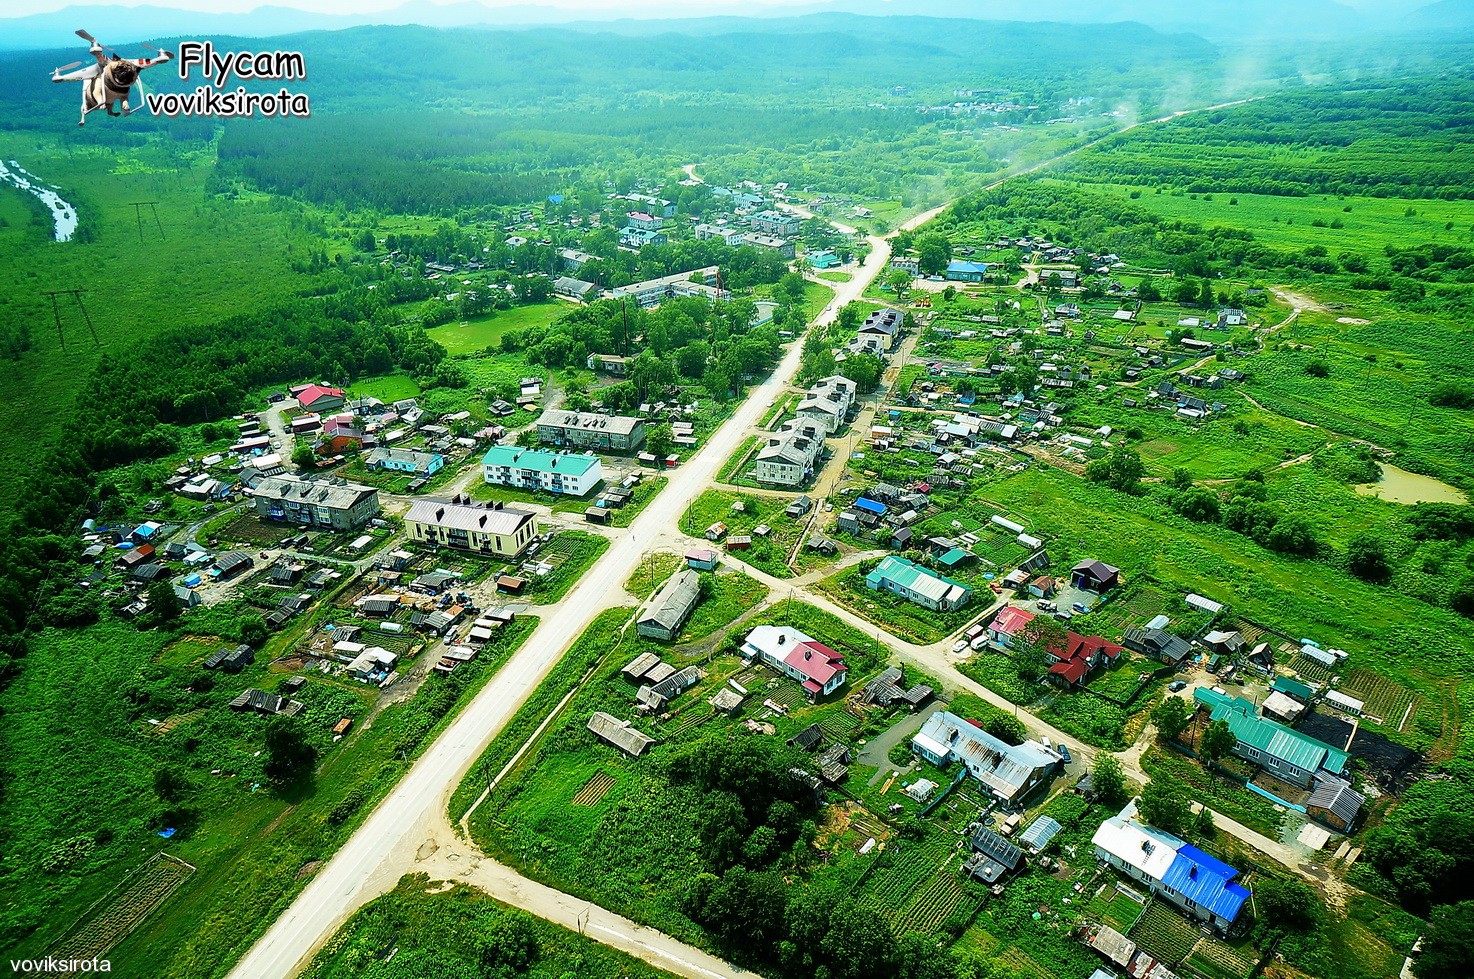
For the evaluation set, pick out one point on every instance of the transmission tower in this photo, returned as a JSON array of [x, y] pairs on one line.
[[76, 294], [138, 207]]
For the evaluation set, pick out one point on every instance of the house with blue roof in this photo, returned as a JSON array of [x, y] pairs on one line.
[[1203, 886], [960, 271]]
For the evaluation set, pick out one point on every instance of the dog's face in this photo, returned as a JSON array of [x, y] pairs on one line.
[[121, 74]]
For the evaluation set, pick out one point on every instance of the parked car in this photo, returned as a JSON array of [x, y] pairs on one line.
[[980, 642], [959, 645], [1176, 685], [1064, 752], [1080, 607]]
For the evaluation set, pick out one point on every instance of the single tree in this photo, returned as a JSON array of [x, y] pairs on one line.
[[1166, 806], [163, 603], [1366, 556], [661, 440], [289, 756], [1217, 741], [1448, 947], [1171, 717], [1109, 780], [302, 456]]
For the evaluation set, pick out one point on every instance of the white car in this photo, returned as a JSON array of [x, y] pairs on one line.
[[959, 645], [980, 642]]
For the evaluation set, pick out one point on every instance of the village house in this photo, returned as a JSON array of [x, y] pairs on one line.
[[1159, 644], [652, 292], [1096, 576], [610, 729], [318, 398], [405, 461], [576, 289], [828, 401], [776, 223], [917, 584], [1203, 886], [1009, 772], [1280, 750], [883, 326], [819, 669], [533, 469], [664, 614], [485, 528], [959, 270], [320, 502]]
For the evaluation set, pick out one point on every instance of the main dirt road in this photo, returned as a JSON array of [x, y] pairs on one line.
[[385, 846]]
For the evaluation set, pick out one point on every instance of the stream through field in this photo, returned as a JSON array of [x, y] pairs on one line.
[[63, 214], [1401, 486]]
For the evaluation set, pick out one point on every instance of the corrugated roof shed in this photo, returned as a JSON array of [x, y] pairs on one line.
[[1039, 833]]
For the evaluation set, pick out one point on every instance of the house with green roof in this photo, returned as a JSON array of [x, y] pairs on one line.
[[917, 584], [1282, 751], [1302, 692]]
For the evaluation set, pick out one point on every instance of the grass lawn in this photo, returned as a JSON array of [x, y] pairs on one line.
[[769, 553], [640, 497], [476, 334], [833, 276], [388, 388]]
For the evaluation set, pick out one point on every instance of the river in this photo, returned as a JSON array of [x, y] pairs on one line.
[[63, 214], [1401, 486]]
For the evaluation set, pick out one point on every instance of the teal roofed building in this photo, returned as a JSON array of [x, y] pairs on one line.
[[926, 588], [823, 260], [1282, 751], [533, 469]]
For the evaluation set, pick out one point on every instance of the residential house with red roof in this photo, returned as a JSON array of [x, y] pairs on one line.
[[316, 397], [1009, 624], [819, 669]]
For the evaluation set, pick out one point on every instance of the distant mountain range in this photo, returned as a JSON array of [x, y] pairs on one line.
[[1228, 20]]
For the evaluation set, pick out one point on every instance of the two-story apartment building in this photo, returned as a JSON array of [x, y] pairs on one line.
[[775, 223], [318, 502], [589, 430], [485, 528], [789, 457], [533, 469]]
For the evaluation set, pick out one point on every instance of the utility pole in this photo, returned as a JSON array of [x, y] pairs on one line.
[[138, 207], [76, 294]]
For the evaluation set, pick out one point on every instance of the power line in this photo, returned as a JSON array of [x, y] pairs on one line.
[[138, 207], [76, 294]]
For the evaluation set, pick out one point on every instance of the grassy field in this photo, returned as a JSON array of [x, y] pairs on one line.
[[428, 930], [254, 845], [134, 287], [388, 389], [1366, 223], [476, 334]]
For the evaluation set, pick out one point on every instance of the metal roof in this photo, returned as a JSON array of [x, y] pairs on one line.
[[1207, 882], [1040, 832], [472, 518], [913, 578], [537, 460], [1338, 797], [670, 606], [1271, 737]]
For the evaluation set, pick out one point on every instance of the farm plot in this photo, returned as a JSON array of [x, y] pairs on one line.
[[594, 789], [250, 530], [906, 870], [1384, 698], [935, 904], [114, 917], [570, 554], [1164, 934], [1218, 959]]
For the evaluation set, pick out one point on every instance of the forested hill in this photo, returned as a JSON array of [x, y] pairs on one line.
[[825, 60]]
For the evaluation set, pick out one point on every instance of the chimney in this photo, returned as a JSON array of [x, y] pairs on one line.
[[440, 513]]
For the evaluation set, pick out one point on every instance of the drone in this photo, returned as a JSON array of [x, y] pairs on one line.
[[108, 81]]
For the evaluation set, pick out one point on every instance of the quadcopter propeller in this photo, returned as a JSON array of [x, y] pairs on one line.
[[87, 37], [149, 46], [74, 64]]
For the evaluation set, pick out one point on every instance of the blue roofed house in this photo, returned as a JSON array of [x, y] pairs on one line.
[[405, 461], [961, 271], [1203, 886], [917, 584], [823, 260], [1282, 751]]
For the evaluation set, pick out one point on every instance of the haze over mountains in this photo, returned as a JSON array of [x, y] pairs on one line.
[[1243, 20]]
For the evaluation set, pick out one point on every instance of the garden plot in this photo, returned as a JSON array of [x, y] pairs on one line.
[[943, 896], [114, 917], [1384, 699], [1164, 934]]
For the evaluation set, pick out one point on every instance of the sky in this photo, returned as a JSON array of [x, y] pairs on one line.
[[21, 8]]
